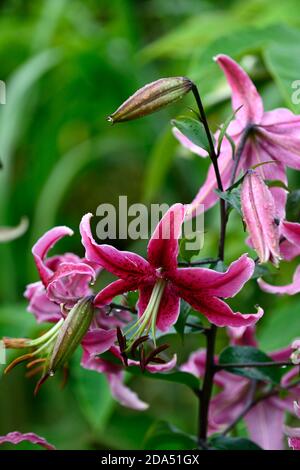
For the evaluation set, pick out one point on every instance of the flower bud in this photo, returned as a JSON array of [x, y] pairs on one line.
[[151, 98], [71, 333], [259, 214]]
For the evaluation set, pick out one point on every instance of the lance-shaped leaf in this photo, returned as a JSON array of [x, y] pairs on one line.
[[259, 213]]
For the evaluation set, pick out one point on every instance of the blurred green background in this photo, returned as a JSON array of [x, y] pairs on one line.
[[67, 65]]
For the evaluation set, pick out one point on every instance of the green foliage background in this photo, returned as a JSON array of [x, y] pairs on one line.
[[67, 65]]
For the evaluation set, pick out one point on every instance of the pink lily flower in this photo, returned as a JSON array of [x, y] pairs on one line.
[[294, 433], [265, 420], [289, 249], [259, 214], [272, 136], [17, 437], [64, 278], [161, 283]]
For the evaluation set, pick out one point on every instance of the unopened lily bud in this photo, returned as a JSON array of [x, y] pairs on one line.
[[151, 98], [71, 333], [259, 214]]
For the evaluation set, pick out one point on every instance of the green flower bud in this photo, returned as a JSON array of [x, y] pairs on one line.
[[71, 333], [152, 97]]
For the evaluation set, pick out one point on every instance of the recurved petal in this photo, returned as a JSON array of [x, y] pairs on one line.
[[289, 289], [43, 309], [153, 368], [123, 264], [206, 196], [70, 282], [244, 92], [219, 313], [115, 377], [123, 394], [203, 281], [43, 245], [118, 287], [98, 341], [285, 149], [281, 121], [16, 437], [188, 144], [163, 245]]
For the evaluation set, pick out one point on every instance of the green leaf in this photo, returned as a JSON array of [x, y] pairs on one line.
[[164, 436], [283, 62], [276, 332], [224, 128], [231, 197], [249, 354], [260, 271], [193, 130], [232, 443], [179, 326], [276, 184], [158, 166], [132, 298], [179, 377], [93, 394], [186, 253], [293, 206]]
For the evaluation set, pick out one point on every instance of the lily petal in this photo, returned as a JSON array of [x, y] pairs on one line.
[[187, 143], [98, 341], [265, 425], [281, 121], [154, 368], [69, 282], [115, 377], [43, 309], [203, 281], [163, 245], [123, 264], [16, 437], [290, 247], [259, 213], [123, 394], [43, 245], [219, 313], [289, 289], [244, 92], [207, 196], [294, 443], [105, 296], [243, 336]]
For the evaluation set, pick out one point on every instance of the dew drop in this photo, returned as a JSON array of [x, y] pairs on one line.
[[51, 373]]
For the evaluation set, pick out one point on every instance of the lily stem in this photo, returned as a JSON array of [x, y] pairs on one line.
[[207, 383], [214, 160], [206, 392]]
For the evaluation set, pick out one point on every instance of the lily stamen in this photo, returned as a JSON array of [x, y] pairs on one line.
[[148, 319]]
